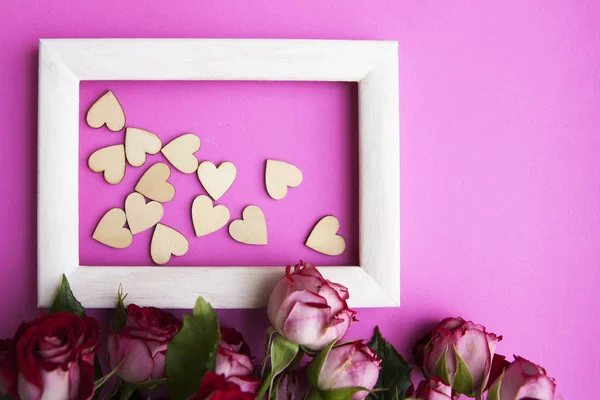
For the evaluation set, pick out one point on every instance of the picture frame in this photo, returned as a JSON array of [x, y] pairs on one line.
[[63, 63]]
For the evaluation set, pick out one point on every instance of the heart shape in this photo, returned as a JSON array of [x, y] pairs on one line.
[[110, 231], [324, 238], [141, 215], [180, 152], [106, 111], [251, 229], [138, 142], [278, 176], [111, 161], [206, 218], [167, 241], [153, 184], [216, 180]]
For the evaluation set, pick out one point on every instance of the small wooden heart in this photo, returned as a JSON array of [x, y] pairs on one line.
[[111, 161], [206, 218], [153, 184], [216, 180], [324, 238], [138, 142], [110, 231], [251, 229], [167, 241], [180, 152], [278, 176], [141, 215], [106, 111]]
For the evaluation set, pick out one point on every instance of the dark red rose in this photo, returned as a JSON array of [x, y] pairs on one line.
[[5, 347], [140, 348], [53, 358], [216, 387]]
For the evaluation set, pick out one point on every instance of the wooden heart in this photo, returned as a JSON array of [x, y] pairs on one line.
[[216, 181], [180, 152], [167, 241], [251, 229], [324, 238], [206, 218], [111, 161], [138, 142], [106, 111], [278, 176], [153, 184], [110, 231], [141, 215]]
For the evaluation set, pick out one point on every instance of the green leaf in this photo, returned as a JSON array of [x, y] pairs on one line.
[[127, 390], [341, 394], [283, 352], [316, 365], [394, 375], [193, 351], [120, 318], [65, 301], [463, 380], [99, 382]]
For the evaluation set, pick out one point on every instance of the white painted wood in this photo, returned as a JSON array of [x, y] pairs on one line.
[[63, 62], [223, 287]]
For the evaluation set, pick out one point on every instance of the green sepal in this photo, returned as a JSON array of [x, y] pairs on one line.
[[99, 382], [283, 352], [192, 351], [65, 301], [494, 390], [463, 380], [441, 371], [130, 388], [341, 394], [316, 365], [120, 318]]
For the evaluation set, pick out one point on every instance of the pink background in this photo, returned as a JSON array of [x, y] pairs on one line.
[[499, 147]]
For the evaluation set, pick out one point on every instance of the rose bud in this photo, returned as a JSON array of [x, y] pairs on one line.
[[353, 364], [293, 386], [432, 389], [140, 348], [457, 344], [522, 380], [53, 358], [216, 387], [5, 346], [233, 355], [309, 310]]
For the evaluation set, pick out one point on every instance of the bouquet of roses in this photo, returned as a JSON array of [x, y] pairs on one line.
[[150, 353]]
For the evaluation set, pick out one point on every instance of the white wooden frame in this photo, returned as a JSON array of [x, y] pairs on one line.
[[63, 63]]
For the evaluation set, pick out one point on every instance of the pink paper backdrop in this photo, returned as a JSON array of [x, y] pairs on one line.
[[500, 151]]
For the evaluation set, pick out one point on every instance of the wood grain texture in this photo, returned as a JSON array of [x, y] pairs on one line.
[[106, 111], [153, 184], [63, 62], [138, 143], [216, 180], [278, 176], [207, 218], [111, 161], [142, 215], [180, 152], [251, 229], [167, 241], [110, 230], [324, 238]]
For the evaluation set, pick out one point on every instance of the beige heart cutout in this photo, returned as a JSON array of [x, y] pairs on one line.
[[251, 229], [141, 215], [138, 142], [110, 231], [206, 218], [153, 184], [111, 160], [278, 176], [106, 111], [180, 152], [167, 241], [216, 180], [324, 238]]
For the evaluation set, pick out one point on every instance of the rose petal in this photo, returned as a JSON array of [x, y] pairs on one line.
[[306, 324], [56, 385], [27, 390], [135, 360], [302, 296]]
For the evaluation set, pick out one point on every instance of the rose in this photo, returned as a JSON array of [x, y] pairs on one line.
[[293, 386], [307, 309], [352, 365], [216, 387], [522, 380], [53, 358], [233, 355], [460, 353], [432, 389], [246, 383], [139, 349], [5, 347]]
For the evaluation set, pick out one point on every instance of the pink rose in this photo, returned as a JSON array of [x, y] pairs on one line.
[[233, 355], [350, 365], [140, 348], [5, 347], [457, 339], [432, 389], [523, 380], [53, 358], [309, 310], [216, 387], [246, 383]]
